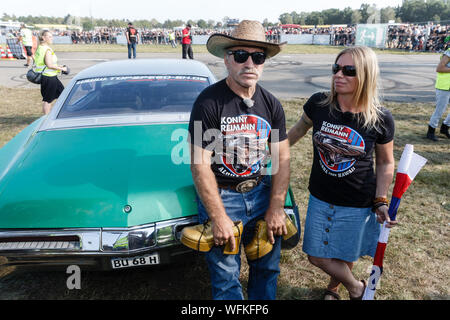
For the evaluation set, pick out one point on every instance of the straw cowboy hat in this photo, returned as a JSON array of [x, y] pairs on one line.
[[248, 34]]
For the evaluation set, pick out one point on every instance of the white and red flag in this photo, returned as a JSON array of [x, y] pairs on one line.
[[408, 167]]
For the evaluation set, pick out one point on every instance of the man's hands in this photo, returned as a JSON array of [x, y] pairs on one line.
[[276, 223], [275, 216], [206, 185], [222, 228]]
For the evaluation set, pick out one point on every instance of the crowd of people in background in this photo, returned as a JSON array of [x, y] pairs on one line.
[[418, 38], [408, 37], [100, 36]]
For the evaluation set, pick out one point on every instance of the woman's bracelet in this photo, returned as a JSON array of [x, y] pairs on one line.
[[381, 199], [379, 202], [377, 205]]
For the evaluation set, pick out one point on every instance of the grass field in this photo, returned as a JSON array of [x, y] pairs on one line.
[[416, 260]]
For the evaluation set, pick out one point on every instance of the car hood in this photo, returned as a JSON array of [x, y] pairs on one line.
[[100, 177]]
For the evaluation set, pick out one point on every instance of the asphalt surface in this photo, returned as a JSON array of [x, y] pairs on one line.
[[404, 78]]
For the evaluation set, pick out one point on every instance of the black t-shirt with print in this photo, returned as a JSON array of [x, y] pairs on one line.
[[238, 135], [132, 34], [342, 172]]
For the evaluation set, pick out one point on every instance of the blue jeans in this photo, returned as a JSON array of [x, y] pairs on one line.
[[442, 99], [132, 46], [225, 269]]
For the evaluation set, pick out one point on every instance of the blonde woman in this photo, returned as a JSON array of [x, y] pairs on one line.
[[45, 60], [347, 198]]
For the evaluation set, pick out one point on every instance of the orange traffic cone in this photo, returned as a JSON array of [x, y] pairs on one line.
[[3, 54], [10, 56]]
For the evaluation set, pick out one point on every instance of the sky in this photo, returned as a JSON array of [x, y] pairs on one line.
[[163, 10]]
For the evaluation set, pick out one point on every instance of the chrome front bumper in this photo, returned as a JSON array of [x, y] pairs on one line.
[[92, 242], [96, 246]]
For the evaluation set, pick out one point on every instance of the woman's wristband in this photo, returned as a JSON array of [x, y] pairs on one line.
[[379, 202], [381, 199], [377, 205]]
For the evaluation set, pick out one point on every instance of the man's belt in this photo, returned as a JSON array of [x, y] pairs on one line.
[[244, 186]]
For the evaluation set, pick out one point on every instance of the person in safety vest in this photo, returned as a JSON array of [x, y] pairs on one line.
[[45, 61], [442, 95], [26, 37], [172, 39]]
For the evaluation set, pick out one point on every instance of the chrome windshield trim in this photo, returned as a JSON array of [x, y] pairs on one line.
[[122, 120], [97, 241]]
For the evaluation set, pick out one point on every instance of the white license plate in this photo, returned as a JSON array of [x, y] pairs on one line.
[[151, 259]]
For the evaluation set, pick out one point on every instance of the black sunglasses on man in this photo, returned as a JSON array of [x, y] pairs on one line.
[[240, 56]]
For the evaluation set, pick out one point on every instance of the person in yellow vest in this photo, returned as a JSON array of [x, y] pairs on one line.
[[442, 96], [46, 62], [172, 39], [26, 38]]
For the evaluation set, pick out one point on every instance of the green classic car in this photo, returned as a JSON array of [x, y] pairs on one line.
[[104, 181]]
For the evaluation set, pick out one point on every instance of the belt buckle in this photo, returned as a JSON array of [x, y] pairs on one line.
[[246, 186]]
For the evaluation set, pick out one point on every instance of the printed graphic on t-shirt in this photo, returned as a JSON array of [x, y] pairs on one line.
[[243, 141], [132, 34], [339, 148]]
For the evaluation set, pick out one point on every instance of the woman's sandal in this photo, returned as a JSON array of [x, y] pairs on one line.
[[335, 295], [364, 289]]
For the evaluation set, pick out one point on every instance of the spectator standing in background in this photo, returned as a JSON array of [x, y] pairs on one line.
[[442, 96], [172, 39], [47, 63], [26, 37], [132, 39], [186, 43]]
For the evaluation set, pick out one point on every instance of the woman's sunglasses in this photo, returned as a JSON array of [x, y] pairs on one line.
[[349, 71], [240, 56]]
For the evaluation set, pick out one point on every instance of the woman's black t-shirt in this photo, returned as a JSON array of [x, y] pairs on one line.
[[342, 172], [238, 135]]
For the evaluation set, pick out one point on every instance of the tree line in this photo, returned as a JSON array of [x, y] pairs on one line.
[[89, 23], [410, 11]]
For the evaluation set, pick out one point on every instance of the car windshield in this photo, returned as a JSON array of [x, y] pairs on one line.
[[105, 96]]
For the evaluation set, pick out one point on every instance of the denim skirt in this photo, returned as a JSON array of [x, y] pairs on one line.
[[343, 233]]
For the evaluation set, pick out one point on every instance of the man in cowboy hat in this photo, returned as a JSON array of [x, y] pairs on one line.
[[231, 124]]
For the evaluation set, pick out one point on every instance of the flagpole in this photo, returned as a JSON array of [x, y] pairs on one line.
[[408, 167]]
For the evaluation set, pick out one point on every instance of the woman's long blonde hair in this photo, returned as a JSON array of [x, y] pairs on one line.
[[366, 95]]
